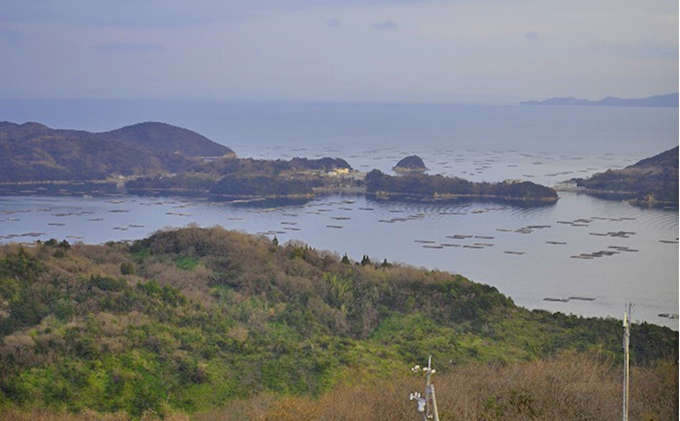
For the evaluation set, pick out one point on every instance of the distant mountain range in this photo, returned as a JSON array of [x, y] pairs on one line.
[[668, 100], [34, 152]]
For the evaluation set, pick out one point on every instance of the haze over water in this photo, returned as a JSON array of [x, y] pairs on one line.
[[479, 143]]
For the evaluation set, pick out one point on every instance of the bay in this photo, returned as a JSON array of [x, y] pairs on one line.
[[525, 252]]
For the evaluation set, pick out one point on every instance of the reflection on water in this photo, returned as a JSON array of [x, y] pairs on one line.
[[582, 255]]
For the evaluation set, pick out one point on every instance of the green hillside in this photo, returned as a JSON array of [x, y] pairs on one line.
[[191, 320]]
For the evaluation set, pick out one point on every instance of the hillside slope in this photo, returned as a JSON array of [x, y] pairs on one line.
[[161, 137], [190, 319], [650, 181], [34, 152]]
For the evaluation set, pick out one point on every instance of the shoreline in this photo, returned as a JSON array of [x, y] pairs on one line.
[[115, 189], [116, 186]]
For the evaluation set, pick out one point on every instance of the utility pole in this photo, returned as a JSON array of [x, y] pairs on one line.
[[427, 405], [626, 359]]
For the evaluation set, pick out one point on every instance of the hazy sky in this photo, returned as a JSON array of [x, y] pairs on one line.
[[347, 50]]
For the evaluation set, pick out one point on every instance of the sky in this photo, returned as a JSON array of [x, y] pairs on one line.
[[338, 50]]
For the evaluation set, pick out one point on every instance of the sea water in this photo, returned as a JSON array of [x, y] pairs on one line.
[[527, 253]]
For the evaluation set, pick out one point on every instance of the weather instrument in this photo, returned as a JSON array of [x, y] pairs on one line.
[[427, 404]]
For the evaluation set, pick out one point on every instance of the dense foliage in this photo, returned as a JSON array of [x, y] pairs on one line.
[[250, 166], [570, 386], [438, 185], [248, 177], [193, 318]]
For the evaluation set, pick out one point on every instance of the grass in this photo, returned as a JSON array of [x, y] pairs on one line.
[[186, 263]]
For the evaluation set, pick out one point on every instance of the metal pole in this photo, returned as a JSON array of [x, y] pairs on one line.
[[626, 360], [428, 386], [434, 404], [429, 392]]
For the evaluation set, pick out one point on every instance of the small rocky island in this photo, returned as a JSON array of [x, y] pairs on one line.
[[412, 163]]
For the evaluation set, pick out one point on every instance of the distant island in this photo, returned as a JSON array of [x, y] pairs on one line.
[[651, 181], [159, 158], [668, 100]]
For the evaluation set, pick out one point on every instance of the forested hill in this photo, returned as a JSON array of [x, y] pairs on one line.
[[649, 181], [161, 137], [191, 319], [34, 152]]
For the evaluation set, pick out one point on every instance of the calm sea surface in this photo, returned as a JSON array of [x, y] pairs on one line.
[[525, 252]]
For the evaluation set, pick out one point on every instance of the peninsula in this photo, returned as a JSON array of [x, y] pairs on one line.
[[651, 181], [159, 158], [34, 152]]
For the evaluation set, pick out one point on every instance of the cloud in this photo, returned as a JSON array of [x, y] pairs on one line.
[[125, 47], [276, 49], [162, 13], [386, 25], [335, 23], [12, 37], [126, 13]]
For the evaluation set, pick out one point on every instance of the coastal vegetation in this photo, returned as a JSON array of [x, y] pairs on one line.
[[253, 177], [214, 324], [651, 181], [381, 184]]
